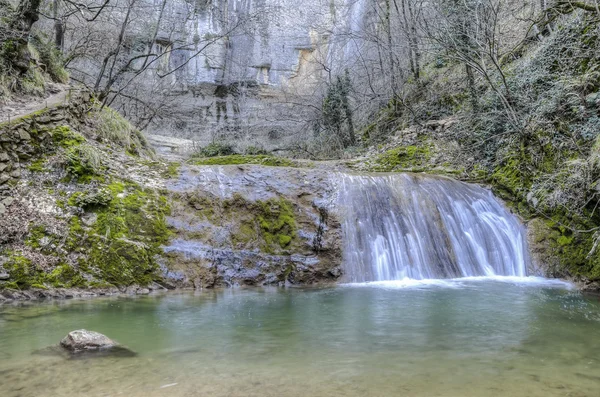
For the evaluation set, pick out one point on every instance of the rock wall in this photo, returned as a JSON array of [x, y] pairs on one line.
[[252, 55], [252, 225], [22, 138]]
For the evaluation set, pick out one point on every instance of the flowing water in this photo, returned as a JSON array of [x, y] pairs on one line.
[[466, 337], [422, 227]]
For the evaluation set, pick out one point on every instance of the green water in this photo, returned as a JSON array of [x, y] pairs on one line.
[[455, 338]]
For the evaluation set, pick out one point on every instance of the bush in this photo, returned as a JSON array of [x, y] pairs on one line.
[[255, 151], [216, 149], [113, 127], [51, 59]]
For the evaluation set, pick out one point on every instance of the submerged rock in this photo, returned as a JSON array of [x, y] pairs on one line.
[[83, 340]]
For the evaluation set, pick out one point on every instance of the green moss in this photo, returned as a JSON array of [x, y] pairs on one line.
[[36, 233], [277, 223], [271, 161], [25, 274], [84, 163], [37, 165], [414, 158], [91, 199], [123, 243], [65, 276], [172, 170], [66, 138]]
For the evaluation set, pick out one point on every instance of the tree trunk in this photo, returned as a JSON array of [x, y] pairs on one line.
[[59, 27]]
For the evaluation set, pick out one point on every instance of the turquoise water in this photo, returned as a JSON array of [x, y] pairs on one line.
[[478, 337]]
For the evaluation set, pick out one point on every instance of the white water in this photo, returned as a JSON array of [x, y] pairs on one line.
[[409, 227]]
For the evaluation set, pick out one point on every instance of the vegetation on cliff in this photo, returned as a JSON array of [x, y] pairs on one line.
[[74, 218]]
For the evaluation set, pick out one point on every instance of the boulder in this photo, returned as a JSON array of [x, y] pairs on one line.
[[83, 340]]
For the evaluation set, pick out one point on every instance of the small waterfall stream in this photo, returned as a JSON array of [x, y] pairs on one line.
[[411, 226]]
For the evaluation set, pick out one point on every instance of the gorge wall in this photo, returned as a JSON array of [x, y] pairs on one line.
[[252, 56]]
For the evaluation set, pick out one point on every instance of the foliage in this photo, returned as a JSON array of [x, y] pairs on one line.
[[337, 114], [215, 149], [84, 162], [245, 159], [50, 58], [414, 158], [114, 128], [255, 151]]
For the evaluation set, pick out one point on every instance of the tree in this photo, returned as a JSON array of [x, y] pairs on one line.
[[337, 114]]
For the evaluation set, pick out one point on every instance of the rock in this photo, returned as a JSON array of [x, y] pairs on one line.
[[4, 178], [592, 99], [24, 135], [2, 209], [8, 201], [83, 340], [4, 276], [142, 291]]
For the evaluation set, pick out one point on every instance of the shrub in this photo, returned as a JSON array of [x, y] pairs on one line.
[[216, 149]]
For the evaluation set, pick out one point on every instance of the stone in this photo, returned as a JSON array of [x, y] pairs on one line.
[[4, 177], [3, 166], [83, 340], [15, 173], [8, 201], [142, 291], [4, 156], [24, 135], [4, 276], [592, 99], [2, 209]]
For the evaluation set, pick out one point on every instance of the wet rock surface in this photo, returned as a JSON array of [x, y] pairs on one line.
[[253, 225]]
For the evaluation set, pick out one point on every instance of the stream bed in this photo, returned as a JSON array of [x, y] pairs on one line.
[[463, 337]]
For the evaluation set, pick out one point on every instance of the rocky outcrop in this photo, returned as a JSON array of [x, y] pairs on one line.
[[253, 225]]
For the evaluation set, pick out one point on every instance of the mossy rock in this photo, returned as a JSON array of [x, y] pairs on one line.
[[238, 159]]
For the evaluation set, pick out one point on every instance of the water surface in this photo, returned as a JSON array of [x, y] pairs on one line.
[[469, 337]]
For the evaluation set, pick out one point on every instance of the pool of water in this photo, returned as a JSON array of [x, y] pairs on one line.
[[469, 337]]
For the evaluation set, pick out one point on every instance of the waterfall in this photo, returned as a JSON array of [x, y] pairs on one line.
[[422, 227]]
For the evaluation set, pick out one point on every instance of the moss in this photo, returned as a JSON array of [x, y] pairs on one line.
[[90, 199], [25, 274], [84, 163], [36, 233], [414, 158], [277, 223], [65, 276], [172, 170], [66, 138], [271, 161], [37, 165], [123, 243]]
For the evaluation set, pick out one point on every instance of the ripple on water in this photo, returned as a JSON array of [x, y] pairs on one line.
[[475, 337]]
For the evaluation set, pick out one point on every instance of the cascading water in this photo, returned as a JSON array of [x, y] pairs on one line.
[[411, 226]]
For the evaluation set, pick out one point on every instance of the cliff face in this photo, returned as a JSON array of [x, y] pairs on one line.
[[250, 56]]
